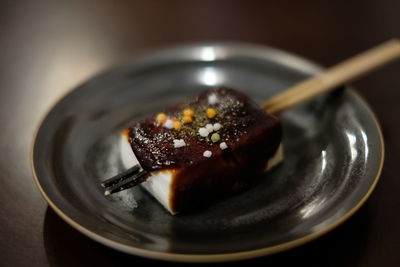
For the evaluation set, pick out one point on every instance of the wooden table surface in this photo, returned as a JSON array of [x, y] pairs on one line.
[[49, 47]]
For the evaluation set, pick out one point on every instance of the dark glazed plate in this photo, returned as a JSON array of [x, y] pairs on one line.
[[333, 157]]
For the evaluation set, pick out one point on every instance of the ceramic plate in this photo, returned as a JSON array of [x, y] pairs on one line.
[[333, 157]]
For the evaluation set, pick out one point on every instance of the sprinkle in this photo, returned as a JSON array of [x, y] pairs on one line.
[[211, 112], [187, 119], [212, 99], [161, 117], [179, 143], [207, 153], [223, 145], [217, 126], [210, 128], [169, 124], [188, 112], [203, 132], [177, 125], [215, 137]]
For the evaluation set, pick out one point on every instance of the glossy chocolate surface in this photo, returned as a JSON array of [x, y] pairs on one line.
[[252, 137], [251, 134]]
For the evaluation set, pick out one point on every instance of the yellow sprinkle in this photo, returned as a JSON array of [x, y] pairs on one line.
[[177, 125], [187, 119], [161, 117], [211, 112], [188, 112]]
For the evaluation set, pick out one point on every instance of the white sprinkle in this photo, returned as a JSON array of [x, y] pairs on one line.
[[179, 143], [210, 127], [217, 126], [207, 153], [169, 124], [212, 99], [223, 145], [203, 132]]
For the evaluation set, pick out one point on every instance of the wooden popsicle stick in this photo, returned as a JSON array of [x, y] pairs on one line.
[[335, 76]]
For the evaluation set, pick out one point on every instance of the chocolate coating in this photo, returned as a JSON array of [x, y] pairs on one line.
[[251, 134]]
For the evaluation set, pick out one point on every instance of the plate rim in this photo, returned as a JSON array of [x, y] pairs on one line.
[[219, 257]]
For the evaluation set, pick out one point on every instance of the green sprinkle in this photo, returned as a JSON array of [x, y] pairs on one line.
[[215, 137]]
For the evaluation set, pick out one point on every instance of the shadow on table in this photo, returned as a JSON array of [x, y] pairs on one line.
[[344, 246]]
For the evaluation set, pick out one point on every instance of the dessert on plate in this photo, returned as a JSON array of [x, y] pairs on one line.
[[203, 149]]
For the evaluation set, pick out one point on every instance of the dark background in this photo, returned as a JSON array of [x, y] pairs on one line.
[[49, 47]]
